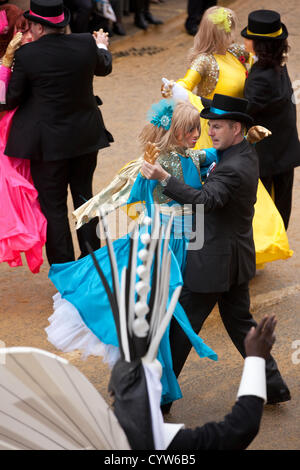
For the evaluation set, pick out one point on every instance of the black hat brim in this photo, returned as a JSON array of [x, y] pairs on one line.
[[232, 116], [206, 102], [283, 35], [45, 22]]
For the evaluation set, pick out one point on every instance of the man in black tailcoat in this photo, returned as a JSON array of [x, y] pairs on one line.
[[137, 412], [58, 124], [269, 92], [220, 271]]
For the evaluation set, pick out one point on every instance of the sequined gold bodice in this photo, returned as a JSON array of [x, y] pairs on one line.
[[217, 73], [172, 164]]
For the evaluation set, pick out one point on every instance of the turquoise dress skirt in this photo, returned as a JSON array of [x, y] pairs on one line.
[[78, 282]]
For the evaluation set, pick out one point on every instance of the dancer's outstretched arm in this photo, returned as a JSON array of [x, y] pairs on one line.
[[239, 427]]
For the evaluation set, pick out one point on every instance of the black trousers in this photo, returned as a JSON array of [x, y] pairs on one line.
[[51, 180], [141, 6], [283, 189], [195, 10], [81, 11], [234, 307]]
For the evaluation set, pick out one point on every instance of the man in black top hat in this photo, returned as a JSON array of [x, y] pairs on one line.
[[58, 125], [220, 271], [269, 91]]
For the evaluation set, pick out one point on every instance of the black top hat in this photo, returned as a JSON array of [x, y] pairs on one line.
[[264, 24], [226, 107], [49, 13]]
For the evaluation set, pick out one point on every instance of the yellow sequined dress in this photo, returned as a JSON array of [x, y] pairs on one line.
[[226, 74], [215, 73]]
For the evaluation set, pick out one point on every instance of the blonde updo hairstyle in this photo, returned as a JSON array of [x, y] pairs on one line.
[[185, 118], [212, 38]]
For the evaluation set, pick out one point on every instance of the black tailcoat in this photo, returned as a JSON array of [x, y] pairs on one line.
[[52, 85], [228, 195], [59, 127], [235, 432], [220, 271], [271, 105]]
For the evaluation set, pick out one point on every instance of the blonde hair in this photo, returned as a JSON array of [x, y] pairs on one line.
[[185, 118], [211, 38]]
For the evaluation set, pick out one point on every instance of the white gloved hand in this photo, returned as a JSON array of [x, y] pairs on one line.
[[170, 89], [166, 88], [180, 93]]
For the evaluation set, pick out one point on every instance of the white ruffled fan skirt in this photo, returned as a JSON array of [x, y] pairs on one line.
[[67, 332]]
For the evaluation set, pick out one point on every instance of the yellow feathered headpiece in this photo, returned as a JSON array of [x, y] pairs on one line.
[[222, 18]]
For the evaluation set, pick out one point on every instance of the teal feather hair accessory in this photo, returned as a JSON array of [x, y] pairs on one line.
[[160, 114]]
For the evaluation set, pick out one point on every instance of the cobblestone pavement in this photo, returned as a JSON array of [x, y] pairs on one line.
[[209, 388]]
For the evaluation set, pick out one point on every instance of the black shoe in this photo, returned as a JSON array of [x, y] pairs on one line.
[[165, 409], [118, 28], [280, 396], [140, 21], [151, 19]]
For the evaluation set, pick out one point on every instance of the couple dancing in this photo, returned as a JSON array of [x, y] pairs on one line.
[[47, 103], [47, 183], [54, 156], [258, 72], [224, 179]]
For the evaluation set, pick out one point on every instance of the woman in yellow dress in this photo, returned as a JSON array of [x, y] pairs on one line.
[[219, 65]]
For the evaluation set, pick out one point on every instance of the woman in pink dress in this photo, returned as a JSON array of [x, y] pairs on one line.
[[22, 224]]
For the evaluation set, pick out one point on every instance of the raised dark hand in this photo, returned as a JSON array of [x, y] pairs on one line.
[[259, 340]]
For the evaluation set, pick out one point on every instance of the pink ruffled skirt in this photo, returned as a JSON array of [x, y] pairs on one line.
[[22, 224]]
